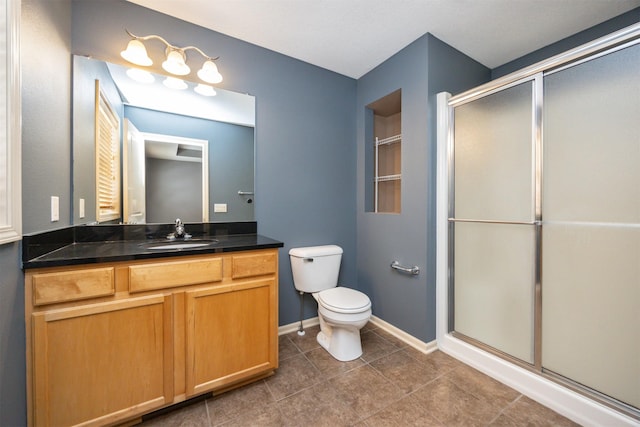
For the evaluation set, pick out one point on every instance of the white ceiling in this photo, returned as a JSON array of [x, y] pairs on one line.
[[352, 37]]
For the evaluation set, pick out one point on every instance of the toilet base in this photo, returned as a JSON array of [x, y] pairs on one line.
[[340, 332], [323, 340], [342, 343]]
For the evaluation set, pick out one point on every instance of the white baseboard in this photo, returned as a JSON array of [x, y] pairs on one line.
[[388, 327], [425, 347]]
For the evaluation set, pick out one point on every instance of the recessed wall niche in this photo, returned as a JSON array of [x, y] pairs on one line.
[[385, 142]]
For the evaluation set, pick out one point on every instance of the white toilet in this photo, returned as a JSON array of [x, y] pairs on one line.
[[342, 311]]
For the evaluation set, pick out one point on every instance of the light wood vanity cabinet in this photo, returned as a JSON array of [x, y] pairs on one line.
[[110, 342], [227, 334], [101, 362]]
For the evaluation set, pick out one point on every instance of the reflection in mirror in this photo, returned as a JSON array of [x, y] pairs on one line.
[[211, 139], [174, 168]]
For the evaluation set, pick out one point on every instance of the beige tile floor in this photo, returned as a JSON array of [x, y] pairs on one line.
[[392, 384]]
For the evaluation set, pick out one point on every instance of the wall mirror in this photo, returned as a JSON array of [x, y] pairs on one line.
[[182, 154]]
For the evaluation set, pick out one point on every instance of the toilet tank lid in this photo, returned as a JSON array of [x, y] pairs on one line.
[[315, 251]]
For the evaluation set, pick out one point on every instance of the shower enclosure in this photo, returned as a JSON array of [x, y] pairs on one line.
[[543, 224]]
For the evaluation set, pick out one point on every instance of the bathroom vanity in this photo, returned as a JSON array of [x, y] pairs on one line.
[[116, 330]]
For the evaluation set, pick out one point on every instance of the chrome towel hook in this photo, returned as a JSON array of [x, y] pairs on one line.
[[415, 270]]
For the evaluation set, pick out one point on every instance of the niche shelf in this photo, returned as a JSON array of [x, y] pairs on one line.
[[387, 174]]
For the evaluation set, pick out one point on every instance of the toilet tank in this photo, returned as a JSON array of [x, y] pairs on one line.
[[315, 268]]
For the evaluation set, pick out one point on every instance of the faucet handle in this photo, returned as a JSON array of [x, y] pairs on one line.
[[179, 228]]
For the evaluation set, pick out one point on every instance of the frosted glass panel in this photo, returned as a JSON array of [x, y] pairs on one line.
[[493, 156], [494, 285], [591, 307], [590, 233], [592, 140]]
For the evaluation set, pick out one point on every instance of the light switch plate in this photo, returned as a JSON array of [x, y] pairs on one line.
[[55, 208], [220, 207]]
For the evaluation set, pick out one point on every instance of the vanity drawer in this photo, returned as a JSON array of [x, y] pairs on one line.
[[168, 274], [254, 265], [61, 286]]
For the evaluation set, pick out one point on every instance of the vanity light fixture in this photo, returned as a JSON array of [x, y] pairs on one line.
[[136, 53], [175, 62], [209, 73], [176, 58]]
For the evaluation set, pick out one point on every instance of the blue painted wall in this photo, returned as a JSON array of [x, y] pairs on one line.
[[13, 404], [46, 112], [420, 70], [384, 237]]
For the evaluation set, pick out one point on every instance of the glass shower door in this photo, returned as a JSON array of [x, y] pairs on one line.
[[492, 219], [544, 220], [591, 227]]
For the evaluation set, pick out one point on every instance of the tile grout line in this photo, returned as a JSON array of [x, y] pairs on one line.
[[510, 404]]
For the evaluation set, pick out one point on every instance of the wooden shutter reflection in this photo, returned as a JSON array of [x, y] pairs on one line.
[[107, 159]]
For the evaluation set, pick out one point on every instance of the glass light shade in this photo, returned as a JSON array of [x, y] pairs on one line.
[[175, 63], [205, 90], [173, 83], [209, 73], [140, 76], [136, 53]]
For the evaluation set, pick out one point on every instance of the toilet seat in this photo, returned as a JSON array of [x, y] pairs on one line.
[[344, 300]]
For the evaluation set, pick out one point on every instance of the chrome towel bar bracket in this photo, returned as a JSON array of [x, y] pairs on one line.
[[415, 270]]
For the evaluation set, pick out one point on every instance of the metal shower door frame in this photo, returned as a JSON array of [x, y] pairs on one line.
[[605, 45]]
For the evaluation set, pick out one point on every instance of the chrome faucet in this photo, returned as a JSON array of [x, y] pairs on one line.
[[179, 232], [179, 228]]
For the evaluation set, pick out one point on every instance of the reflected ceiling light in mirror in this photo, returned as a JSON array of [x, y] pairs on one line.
[[176, 58], [205, 90], [141, 76], [173, 83]]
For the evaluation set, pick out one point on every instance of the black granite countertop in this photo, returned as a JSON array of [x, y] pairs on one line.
[[98, 244]]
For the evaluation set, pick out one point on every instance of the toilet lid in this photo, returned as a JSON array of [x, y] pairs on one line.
[[344, 300]]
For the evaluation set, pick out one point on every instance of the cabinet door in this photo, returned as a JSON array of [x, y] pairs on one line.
[[231, 334], [100, 363]]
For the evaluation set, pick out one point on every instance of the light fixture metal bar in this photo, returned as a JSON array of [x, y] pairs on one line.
[[200, 52], [170, 46]]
